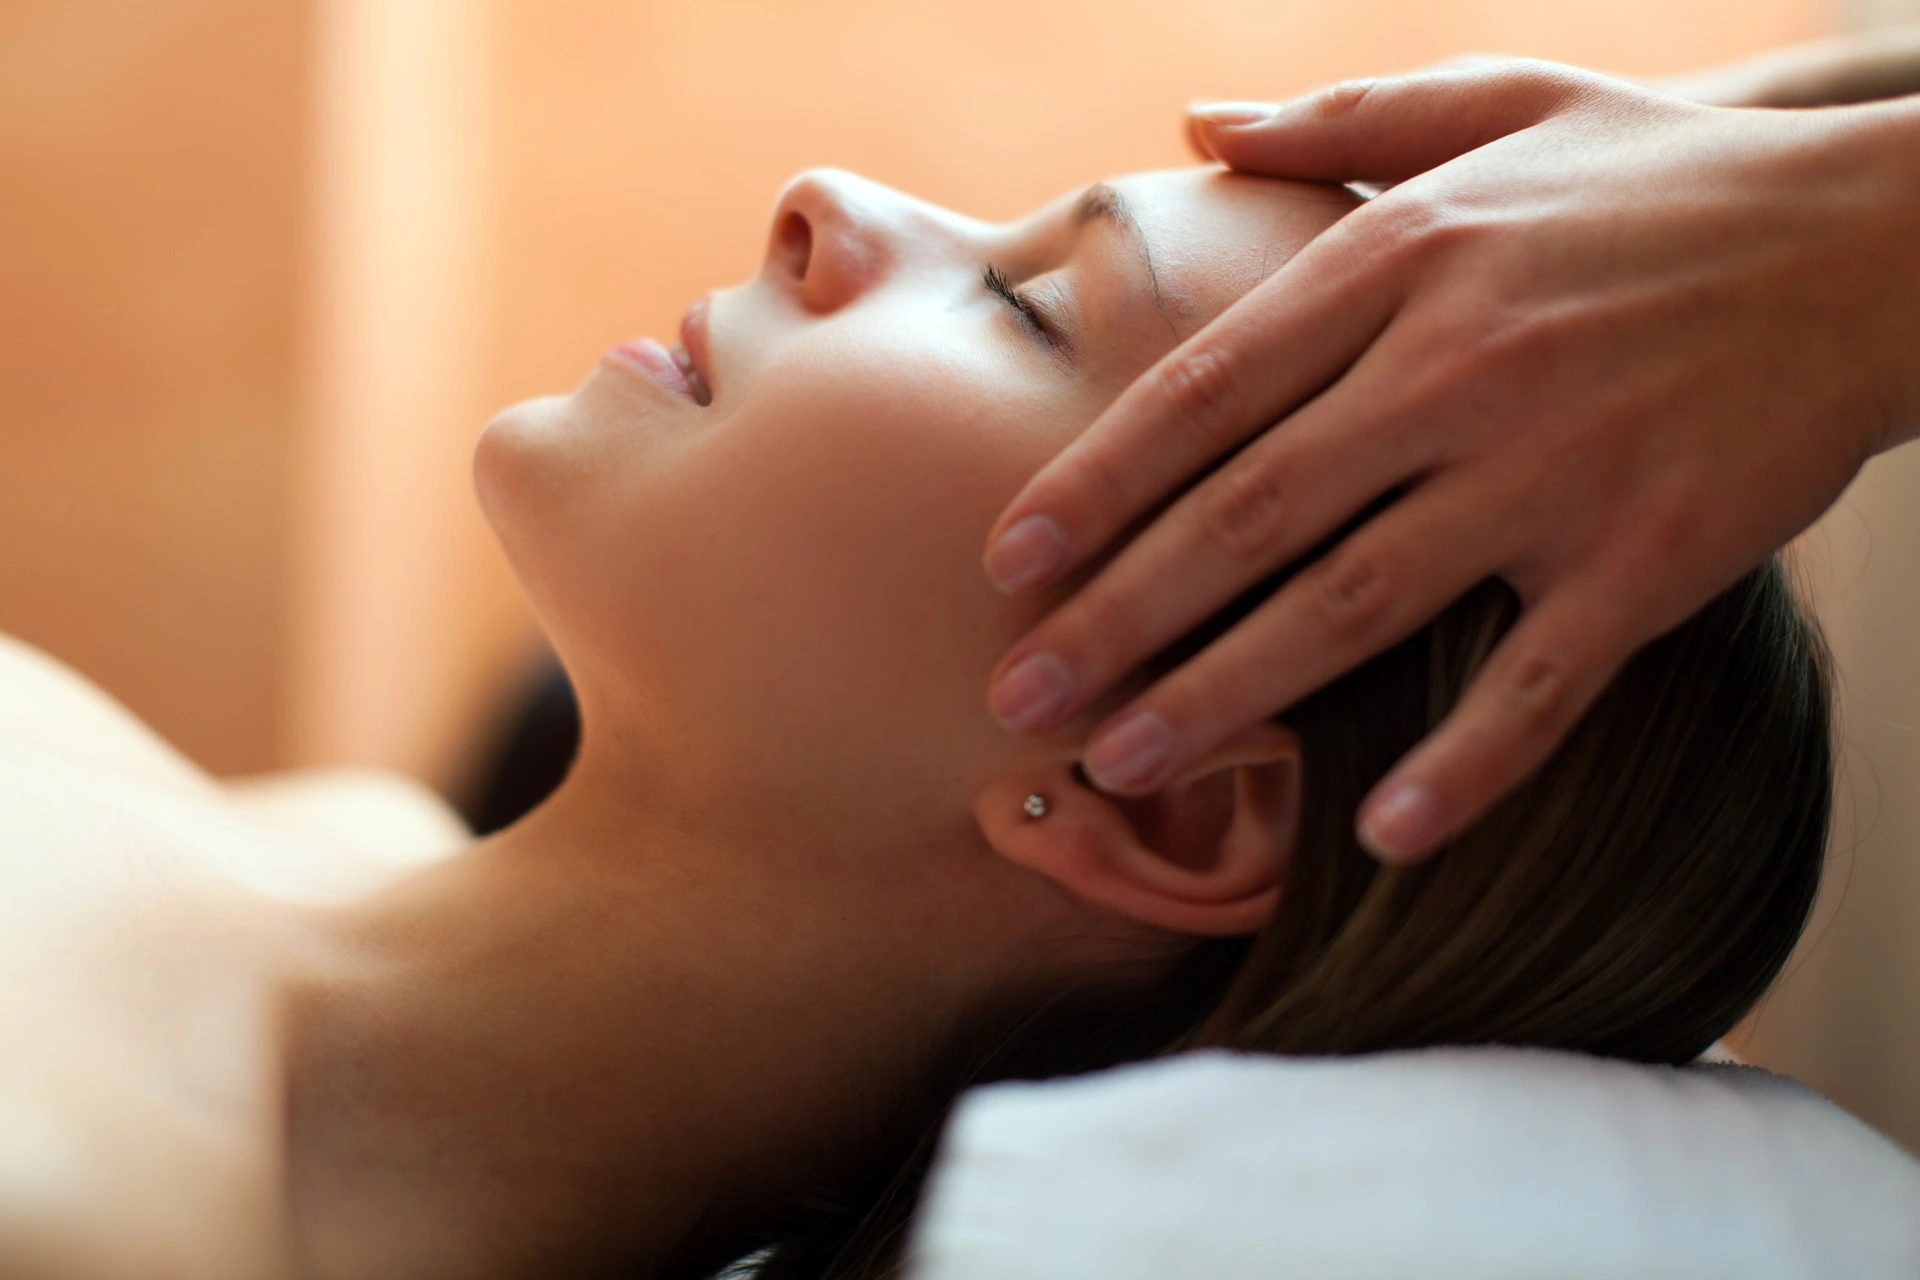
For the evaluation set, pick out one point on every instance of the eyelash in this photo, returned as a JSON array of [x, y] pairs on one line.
[[998, 285]]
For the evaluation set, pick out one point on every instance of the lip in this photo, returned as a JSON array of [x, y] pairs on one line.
[[682, 368], [650, 358], [694, 340]]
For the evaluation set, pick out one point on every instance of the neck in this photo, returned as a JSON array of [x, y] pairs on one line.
[[597, 1040]]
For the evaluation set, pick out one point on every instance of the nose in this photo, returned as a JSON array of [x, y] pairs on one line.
[[837, 235]]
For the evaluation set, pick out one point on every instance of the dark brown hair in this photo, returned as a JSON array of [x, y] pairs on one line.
[[1634, 898]]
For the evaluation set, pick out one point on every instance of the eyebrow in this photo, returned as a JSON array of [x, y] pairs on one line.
[[1102, 202]]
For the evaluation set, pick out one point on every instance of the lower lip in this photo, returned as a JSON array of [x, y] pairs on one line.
[[649, 357]]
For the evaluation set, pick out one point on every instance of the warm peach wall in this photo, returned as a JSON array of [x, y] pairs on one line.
[[152, 164], [402, 611]]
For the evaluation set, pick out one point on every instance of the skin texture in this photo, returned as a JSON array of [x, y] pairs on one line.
[[790, 856], [1610, 346]]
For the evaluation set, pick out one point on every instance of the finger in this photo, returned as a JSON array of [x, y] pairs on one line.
[[1276, 499], [1197, 136], [1386, 130], [1534, 688], [1291, 335], [1379, 585]]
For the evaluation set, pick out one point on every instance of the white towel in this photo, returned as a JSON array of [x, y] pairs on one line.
[[1472, 1163]]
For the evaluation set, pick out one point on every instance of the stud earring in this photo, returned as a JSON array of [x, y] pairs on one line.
[[1035, 806]]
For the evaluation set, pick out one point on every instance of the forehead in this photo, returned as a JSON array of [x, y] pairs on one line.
[[1213, 235]]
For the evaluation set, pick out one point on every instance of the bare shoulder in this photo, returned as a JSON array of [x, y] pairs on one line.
[[391, 817], [99, 1181], [47, 705]]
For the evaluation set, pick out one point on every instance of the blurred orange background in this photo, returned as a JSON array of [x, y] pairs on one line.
[[269, 267]]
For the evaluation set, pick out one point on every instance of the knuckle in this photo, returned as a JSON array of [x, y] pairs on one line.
[[1540, 334], [1097, 475], [1418, 231], [1200, 390], [1543, 76], [1463, 364], [1474, 348], [1337, 102], [1242, 510], [1430, 219], [1210, 697], [1447, 226], [1539, 696], [1669, 532], [1349, 595], [1553, 87]]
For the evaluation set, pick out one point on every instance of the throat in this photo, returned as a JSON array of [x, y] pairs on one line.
[[547, 1055]]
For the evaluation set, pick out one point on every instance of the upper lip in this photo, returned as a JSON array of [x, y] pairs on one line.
[[693, 336]]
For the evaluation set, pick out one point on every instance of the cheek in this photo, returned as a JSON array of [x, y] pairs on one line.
[[807, 574]]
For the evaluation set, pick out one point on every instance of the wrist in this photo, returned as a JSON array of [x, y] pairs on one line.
[[1877, 147]]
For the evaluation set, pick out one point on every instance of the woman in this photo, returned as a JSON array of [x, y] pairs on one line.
[[800, 887]]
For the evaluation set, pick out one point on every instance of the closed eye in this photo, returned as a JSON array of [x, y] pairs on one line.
[[1030, 315]]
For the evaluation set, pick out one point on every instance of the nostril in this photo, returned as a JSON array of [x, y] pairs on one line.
[[793, 240]]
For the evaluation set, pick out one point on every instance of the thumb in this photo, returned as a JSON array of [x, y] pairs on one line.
[[1385, 130]]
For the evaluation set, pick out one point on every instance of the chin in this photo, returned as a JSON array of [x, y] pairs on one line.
[[520, 456], [527, 477]]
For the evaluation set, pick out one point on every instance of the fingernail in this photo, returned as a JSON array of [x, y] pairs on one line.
[[1131, 753], [1401, 824], [1233, 115], [1033, 551], [1033, 693]]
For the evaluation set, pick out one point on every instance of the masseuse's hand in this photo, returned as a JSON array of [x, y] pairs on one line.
[[1612, 347]]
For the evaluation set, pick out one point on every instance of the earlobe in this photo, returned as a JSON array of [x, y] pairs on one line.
[[1206, 855]]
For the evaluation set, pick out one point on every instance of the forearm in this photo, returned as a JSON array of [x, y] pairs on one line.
[[1865, 67], [1881, 161]]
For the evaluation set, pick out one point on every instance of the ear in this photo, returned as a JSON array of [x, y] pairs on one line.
[[1206, 854]]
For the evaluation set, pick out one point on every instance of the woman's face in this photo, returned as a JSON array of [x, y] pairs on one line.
[[776, 596]]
